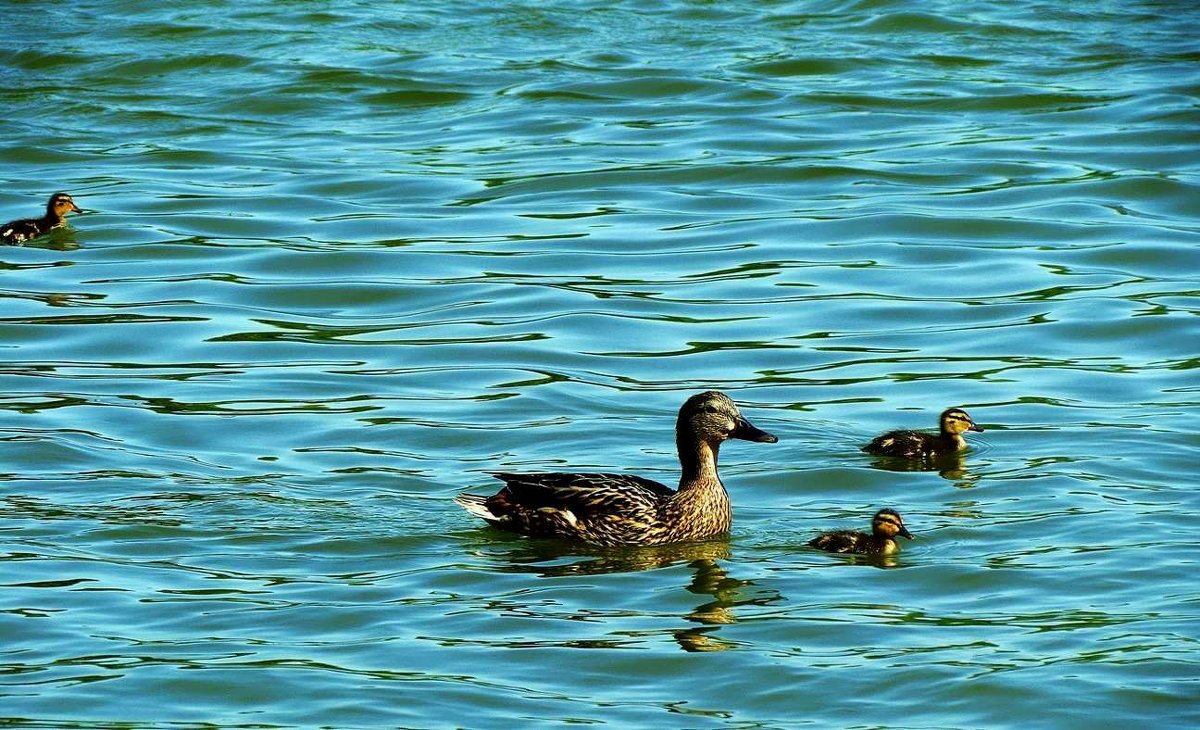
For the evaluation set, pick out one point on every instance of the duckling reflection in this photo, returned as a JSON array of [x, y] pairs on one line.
[[951, 467]]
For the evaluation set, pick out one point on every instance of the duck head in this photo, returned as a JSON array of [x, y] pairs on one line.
[[60, 204], [955, 421], [888, 523], [711, 417]]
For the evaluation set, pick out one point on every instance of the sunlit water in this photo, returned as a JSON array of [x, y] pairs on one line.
[[343, 258]]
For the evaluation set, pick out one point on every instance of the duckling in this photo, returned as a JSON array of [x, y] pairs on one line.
[[884, 527], [25, 229], [916, 444], [620, 509]]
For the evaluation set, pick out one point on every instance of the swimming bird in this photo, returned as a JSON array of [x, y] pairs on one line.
[[25, 229], [884, 527], [620, 509], [915, 444]]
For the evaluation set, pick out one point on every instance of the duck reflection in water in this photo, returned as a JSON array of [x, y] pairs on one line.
[[710, 579], [722, 593], [951, 467]]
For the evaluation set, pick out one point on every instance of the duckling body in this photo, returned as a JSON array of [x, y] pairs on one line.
[[621, 509], [918, 444], [23, 230], [885, 526]]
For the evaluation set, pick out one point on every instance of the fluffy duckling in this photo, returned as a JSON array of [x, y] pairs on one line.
[[884, 528], [916, 444], [25, 229], [619, 509]]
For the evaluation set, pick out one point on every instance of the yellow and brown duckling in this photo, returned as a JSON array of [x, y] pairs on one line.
[[26, 229], [953, 423], [885, 526], [619, 509]]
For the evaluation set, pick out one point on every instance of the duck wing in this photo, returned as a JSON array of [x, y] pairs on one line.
[[839, 541], [584, 492], [20, 231], [603, 509], [900, 443]]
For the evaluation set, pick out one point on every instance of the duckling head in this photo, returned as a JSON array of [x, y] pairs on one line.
[[60, 204], [955, 421], [712, 417], [888, 523]]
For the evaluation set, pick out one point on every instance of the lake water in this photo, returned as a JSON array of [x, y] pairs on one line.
[[343, 258]]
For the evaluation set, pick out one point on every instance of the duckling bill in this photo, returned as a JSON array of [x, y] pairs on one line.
[[26, 229], [620, 509], [885, 526], [917, 444]]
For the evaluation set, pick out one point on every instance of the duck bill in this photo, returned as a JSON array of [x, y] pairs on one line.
[[976, 427], [904, 532], [749, 432]]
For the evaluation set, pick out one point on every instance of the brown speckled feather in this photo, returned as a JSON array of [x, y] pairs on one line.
[[844, 541], [21, 231], [604, 509], [911, 444]]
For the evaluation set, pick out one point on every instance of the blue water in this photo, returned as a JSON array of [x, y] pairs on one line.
[[341, 259]]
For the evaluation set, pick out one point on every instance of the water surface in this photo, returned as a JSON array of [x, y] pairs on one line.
[[344, 258]]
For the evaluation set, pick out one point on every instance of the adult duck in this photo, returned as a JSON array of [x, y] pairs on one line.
[[620, 509]]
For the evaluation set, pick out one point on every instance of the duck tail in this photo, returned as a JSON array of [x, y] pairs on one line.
[[476, 505]]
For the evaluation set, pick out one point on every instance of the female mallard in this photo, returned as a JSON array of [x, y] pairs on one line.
[[56, 211], [619, 509], [916, 444], [884, 528]]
